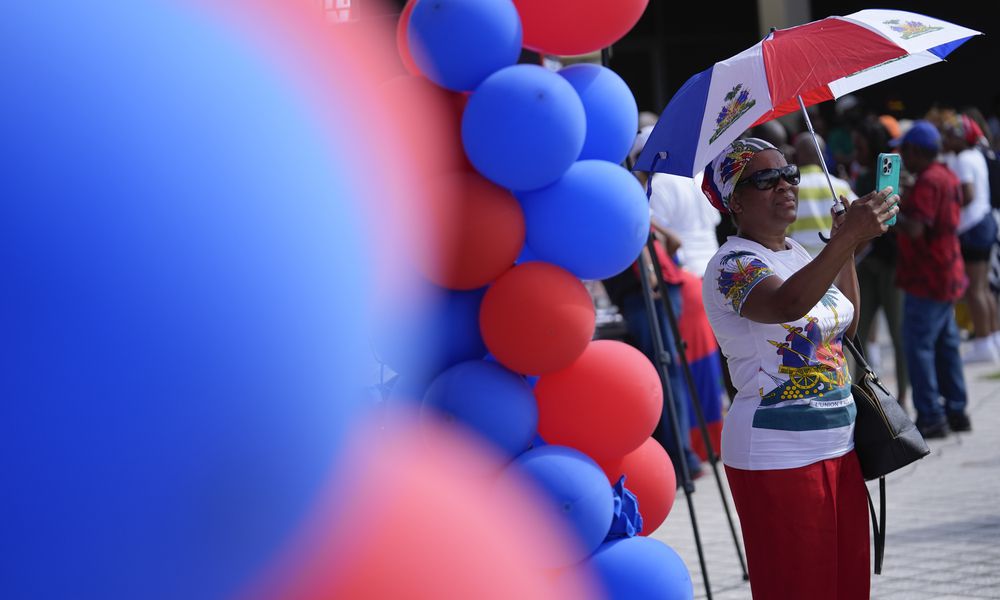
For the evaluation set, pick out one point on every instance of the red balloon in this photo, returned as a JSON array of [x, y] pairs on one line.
[[649, 475], [605, 404], [402, 26], [566, 27], [537, 318], [476, 231], [385, 538]]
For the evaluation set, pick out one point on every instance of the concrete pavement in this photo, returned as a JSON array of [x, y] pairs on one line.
[[943, 539]]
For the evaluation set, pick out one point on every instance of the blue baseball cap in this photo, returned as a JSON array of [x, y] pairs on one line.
[[922, 134]]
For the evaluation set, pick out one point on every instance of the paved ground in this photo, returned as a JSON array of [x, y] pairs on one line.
[[943, 516]]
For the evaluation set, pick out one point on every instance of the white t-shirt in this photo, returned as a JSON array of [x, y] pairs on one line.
[[793, 405], [678, 204], [970, 166]]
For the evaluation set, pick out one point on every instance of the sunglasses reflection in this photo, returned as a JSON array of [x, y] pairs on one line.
[[766, 179]]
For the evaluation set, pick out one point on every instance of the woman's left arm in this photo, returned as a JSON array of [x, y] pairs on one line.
[[847, 279]]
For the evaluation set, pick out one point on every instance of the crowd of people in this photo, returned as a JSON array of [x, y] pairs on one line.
[[927, 275], [949, 288]]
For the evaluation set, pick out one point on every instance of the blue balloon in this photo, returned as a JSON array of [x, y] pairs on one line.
[[578, 488], [612, 115], [406, 392], [459, 43], [490, 400], [442, 331], [640, 568], [526, 255], [183, 305], [593, 222], [523, 127]]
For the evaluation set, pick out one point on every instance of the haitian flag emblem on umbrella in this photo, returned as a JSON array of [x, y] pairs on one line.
[[788, 70]]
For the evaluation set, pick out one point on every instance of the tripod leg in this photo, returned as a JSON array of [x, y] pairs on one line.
[[661, 357], [696, 402]]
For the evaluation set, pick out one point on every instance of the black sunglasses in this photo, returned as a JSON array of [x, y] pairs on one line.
[[766, 179]]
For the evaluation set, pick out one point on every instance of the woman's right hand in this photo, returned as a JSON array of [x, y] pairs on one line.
[[866, 217]]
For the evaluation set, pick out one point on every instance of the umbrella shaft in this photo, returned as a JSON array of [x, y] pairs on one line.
[[838, 206]]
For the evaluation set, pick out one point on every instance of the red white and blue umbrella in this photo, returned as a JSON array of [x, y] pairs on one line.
[[788, 70]]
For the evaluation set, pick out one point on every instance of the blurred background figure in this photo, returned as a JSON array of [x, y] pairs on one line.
[[775, 132], [876, 264], [994, 119], [847, 110], [932, 275], [686, 223], [815, 200], [977, 232], [646, 119]]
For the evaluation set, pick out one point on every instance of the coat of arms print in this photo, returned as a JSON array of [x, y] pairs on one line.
[[910, 29], [737, 102]]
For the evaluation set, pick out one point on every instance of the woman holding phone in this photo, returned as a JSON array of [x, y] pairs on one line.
[[779, 316]]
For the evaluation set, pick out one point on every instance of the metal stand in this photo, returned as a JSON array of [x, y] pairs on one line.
[[649, 261], [713, 458], [664, 360]]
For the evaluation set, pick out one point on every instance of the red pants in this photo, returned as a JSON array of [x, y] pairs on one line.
[[805, 530]]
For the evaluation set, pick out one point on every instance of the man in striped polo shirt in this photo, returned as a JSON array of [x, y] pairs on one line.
[[814, 196]]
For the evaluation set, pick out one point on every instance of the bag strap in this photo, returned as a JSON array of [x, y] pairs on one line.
[[878, 529], [857, 352], [878, 522]]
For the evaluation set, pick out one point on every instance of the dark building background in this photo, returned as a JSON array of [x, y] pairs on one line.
[[970, 75], [675, 40], [672, 43]]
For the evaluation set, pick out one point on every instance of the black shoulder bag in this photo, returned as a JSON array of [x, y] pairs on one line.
[[885, 439]]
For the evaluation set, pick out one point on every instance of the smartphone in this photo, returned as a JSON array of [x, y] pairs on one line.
[[888, 174]]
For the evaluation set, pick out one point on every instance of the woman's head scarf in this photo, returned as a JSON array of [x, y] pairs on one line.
[[722, 174]]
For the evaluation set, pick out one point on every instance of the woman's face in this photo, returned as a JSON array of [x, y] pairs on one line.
[[772, 208]]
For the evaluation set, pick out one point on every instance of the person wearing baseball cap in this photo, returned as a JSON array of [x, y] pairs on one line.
[[932, 276]]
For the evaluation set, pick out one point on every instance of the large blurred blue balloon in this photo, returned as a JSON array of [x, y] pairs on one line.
[[578, 488], [593, 222], [612, 115], [523, 127], [425, 337], [459, 43], [641, 568], [490, 400], [181, 310]]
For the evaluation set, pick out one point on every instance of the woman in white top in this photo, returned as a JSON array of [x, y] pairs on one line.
[[977, 232], [780, 315]]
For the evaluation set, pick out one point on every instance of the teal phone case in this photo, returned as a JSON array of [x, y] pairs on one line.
[[887, 169]]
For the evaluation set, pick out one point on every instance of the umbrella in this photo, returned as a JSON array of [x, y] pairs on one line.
[[787, 71]]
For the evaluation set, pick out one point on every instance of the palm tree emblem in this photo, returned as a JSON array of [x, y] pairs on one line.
[[735, 103]]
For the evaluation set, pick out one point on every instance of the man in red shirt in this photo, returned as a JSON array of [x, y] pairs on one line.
[[932, 276]]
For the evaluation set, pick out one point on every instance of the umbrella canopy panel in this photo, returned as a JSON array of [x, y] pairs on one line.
[[818, 61], [803, 60]]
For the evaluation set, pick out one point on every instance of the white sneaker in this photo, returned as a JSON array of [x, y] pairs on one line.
[[982, 350]]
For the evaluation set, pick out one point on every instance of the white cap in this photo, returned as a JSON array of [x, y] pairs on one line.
[[640, 142]]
